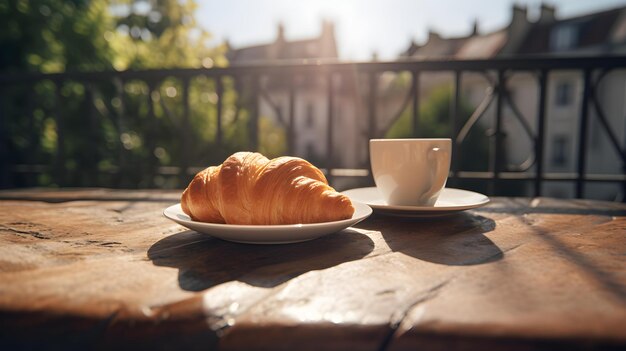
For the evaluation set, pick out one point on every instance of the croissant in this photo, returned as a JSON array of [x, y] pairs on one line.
[[248, 188]]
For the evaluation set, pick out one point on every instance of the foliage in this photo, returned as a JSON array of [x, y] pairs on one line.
[[126, 129], [434, 122]]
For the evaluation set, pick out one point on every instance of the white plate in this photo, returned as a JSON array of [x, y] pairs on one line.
[[450, 201], [268, 234]]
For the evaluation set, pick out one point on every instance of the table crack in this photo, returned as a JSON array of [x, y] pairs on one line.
[[396, 322], [21, 233]]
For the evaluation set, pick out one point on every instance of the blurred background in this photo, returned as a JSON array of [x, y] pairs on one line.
[[145, 93]]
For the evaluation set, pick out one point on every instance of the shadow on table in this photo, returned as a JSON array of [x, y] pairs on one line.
[[204, 261], [457, 240]]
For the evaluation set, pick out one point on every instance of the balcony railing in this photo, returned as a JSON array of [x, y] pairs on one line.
[[35, 151]]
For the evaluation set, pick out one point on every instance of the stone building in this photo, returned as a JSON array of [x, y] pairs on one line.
[[310, 110], [595, 34]]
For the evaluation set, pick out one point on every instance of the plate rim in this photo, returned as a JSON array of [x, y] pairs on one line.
[[423, 208], [350, 221]]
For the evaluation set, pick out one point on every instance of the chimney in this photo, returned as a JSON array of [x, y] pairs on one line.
[[432, 35], [520, 14], [516, 31], [475, 27], [374, 56], [328, 28], [281, 33], [547, 13]]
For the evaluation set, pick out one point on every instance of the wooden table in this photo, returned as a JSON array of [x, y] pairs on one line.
[[99, 268]]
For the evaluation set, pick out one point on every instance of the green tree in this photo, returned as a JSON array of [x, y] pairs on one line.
[[130, 127], [54, 35], [161, 34], [434, 122]]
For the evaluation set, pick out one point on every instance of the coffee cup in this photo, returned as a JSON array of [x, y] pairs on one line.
[[410, 172]]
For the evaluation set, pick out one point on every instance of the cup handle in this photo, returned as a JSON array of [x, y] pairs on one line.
[[437, 168]]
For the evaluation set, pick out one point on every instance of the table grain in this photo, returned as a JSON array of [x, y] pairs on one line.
[[102, 269]]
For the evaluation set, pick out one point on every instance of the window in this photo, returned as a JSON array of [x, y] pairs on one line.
[[560, 146], [564, 37], [563, 94], [310, 115]]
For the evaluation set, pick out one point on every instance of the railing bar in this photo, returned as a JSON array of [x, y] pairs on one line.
[[254, 113], [372, 105], [518, 115], [291, 128], [624, 165], [329, 125], [415, 95], [362, 172], [454, 119], [476, 115], [92, 133], [153, 129], [496, 145], [510, 64], [4, 162], [33, 137], [60, 130], [121, 128], [541, 130], [582, 141], [605, 124], [34, 134], [186, 133], [372, 96], [219, 90]]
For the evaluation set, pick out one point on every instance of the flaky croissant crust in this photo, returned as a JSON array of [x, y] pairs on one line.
[[248, 188]]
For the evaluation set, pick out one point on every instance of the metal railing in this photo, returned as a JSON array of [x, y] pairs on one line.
[[495, 71]]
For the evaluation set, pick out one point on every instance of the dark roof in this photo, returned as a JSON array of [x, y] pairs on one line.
[[592, 30], [323, 46], [600, 29], [301, 49], [470, 47], [258, 52], [437, 47], [482, 46]]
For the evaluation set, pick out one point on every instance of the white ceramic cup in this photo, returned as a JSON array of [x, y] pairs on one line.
[[410, 172]]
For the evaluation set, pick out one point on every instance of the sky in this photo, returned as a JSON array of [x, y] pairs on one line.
[[363, 27]]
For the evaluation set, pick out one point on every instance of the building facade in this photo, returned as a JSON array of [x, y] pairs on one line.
[[596, 34], [310, 110]]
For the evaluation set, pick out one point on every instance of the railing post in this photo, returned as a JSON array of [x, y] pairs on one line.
[[371, 116], [497, 142], [372, 105], [254, 114], [454, 117], [34, 134], [219, 89], [4, 144], [415, 112], [600, 115], [541, 130], [59, 161], [291, 129], [582, 134], [121, 128], [329, 125], [186, 134], [152, 134], [93, 135]]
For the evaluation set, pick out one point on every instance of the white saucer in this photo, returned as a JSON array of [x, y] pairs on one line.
[[268, 234], [450, 201]]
